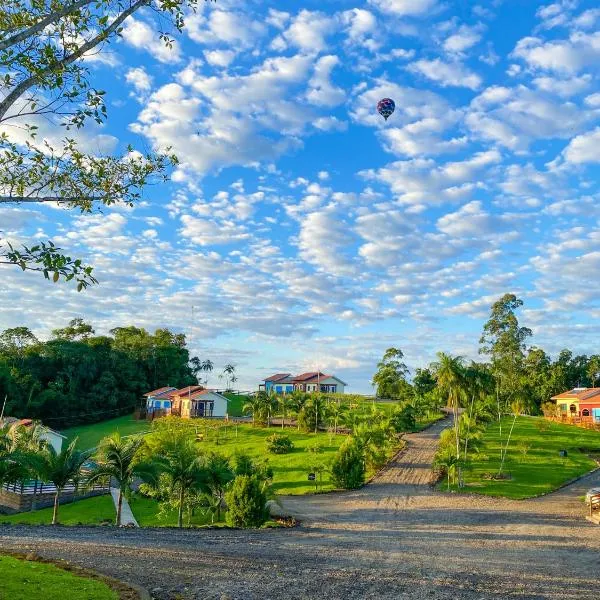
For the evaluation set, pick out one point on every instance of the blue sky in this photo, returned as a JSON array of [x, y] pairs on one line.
[[303, 229]]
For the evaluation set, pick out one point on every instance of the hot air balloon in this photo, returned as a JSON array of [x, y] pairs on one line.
[[386, 107]]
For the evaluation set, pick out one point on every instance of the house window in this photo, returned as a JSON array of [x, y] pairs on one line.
[[563, 408], [585, 412], [573, 408]]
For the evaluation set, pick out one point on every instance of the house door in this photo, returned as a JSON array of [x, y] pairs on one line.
[[596, 414]]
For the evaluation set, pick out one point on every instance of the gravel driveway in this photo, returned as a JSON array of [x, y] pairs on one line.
[[393, 539]]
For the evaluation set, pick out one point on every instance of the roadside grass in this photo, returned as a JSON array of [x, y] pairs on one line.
[[24, 580], [532, 461], [90, 511], [90, 435]]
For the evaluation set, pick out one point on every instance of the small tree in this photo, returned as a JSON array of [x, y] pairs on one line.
[[348, 467], [119, 459], [247, 502], [403, 419], [218, 474], [279, 444], [60, 468]]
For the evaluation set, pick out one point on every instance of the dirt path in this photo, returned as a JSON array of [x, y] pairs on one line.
[[394, 539]]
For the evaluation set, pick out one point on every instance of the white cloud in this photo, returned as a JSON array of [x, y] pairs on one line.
[[140, 35], [569, 56], [584, 148], [309, 31], [322, 92], [140, 79], [587, 19], [470, 220], [219, 58], [466, 37], [405, 8], [446, 74], [564, 87], [233, 28]]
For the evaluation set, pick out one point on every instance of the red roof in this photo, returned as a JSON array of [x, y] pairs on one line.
[[186, 391], [580, 394], [277, 377], [306, 377], [160, 391]]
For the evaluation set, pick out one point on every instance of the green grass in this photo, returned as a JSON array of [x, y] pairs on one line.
[[234, 406], [290, 471], [90, 435], [24, 580], [91, 511], [147, 514], [538, 471]]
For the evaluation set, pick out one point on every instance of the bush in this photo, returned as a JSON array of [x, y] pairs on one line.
[[279, 444], [403, 419], [246, 502], [348, 467]]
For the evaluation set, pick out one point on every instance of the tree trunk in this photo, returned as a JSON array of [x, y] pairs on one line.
[[119, 507], [56, 503], [507, 443], [180, 510]]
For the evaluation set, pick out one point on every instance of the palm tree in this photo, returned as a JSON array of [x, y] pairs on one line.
[[183, 467], [284, 402], [297, 401], [255, 406], [119, 459], [207, 367], [270, 402], [337, 414], [450, 378], [13, 462], [217, 475], [229, 371], [60, 468]]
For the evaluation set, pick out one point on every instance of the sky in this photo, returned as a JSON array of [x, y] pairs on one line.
[[301, 230]]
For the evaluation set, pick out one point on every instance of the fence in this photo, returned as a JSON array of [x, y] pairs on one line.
[[31, 495]]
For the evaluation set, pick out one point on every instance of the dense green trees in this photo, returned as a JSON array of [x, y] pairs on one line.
[[77, 377]]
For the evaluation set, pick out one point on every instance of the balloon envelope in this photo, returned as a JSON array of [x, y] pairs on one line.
[[386, 107]]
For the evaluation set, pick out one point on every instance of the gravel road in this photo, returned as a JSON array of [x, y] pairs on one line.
[[394, 539]]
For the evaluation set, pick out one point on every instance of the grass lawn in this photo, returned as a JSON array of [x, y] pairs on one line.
[[536, 470], [146, 512], [290, 471], [24, 580], [91, 511], [90, 435]]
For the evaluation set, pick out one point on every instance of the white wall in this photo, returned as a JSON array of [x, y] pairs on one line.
[[220, 403], [53, 439]]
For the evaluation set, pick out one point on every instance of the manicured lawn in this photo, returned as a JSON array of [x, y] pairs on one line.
[[536, 470], [290, 471], [90, 435], [24, 580], [91, 511]]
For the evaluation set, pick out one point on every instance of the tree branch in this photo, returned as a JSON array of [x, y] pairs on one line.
[[41, 25], [26, 84]]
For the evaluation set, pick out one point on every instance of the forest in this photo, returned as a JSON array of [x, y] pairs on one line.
[[79, 377]]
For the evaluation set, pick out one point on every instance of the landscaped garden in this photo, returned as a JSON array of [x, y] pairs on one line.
[[27, 579], [89, 436], [533, 464]]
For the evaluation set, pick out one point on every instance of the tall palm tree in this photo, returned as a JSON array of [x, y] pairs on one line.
[[337, 414], [13, 462], [119, 459], [270, 402], [207, 367], [217, 476], [60, 468], [297, 401], [229, 371], [284, 402], [451, 381]]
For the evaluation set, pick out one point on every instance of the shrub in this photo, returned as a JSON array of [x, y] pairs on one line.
[[348, 467], [403, 419], [246, 502], [279, 444]]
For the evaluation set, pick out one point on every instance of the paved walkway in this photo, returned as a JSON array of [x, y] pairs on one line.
[[127, 518]]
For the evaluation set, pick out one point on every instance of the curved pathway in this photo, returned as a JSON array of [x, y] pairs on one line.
[[396, 538]]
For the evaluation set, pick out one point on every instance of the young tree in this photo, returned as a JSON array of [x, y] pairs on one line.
[[348, 467], [246, 502], [61, 468], [218, 474], [120, 459], [43, 45]]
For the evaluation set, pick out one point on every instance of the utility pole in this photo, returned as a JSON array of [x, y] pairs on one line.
[[3, 407]]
